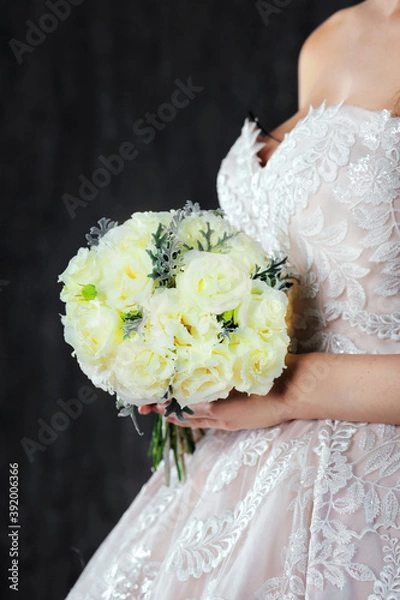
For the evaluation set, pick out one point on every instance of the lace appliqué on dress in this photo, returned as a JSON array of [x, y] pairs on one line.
[[203, 545], [336, 212]]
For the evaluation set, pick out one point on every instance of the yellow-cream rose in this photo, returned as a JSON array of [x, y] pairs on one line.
[[190, 227], [202, 327], [136, 231], [263, 310], [203, 373], [247, 252], [125, 281], [256, 362], [83, 269], [93, 330], [212, 282], [164, 319], [142, 371]]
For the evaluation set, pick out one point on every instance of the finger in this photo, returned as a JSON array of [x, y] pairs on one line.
[[146, 409], [160, 407], [192, 423], [198, 411]]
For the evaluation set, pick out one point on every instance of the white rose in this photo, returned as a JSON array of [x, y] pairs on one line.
[[136, 231], [256, 362], [247, 252], [101, 375], [202, 327], [191, 226], [93, 330], [212, 282], [165, 321], [263, 310], [146, 223], [82, 270], [125, 281], [142, 371], [203, 373]]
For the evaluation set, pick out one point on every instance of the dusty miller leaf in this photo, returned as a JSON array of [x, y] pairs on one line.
[[96, 233]]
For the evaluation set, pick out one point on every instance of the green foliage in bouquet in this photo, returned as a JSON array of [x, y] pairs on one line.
[[164, 256], [206, 245], [276, 275], [168, 248], [132, 321]]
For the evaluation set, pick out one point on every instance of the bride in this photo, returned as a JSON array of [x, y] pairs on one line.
[[297, 494]]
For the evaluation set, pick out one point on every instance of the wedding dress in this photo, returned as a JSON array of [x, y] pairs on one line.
[[308, 509]]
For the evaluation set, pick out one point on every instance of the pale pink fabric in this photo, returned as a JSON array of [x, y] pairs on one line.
[[309, 509]]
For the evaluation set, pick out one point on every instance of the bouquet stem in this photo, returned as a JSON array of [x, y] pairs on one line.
[[166, 437]]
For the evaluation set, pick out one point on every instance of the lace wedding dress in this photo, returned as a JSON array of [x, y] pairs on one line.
[[309, 509]]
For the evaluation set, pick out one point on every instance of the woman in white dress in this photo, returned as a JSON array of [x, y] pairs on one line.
[[297, 495]]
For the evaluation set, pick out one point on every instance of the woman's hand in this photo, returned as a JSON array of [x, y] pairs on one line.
[[348, 387], [238, 411]]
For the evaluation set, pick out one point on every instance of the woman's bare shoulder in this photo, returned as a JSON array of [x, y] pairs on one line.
[[323, 47], [326, 40], [334, 29]]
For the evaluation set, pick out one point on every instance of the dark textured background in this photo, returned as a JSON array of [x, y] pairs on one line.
[[74, 97]]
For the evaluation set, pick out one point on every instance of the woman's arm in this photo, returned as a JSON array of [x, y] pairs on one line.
[[349, 387]]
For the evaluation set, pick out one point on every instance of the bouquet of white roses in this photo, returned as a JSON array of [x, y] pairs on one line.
[[177, 306]]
